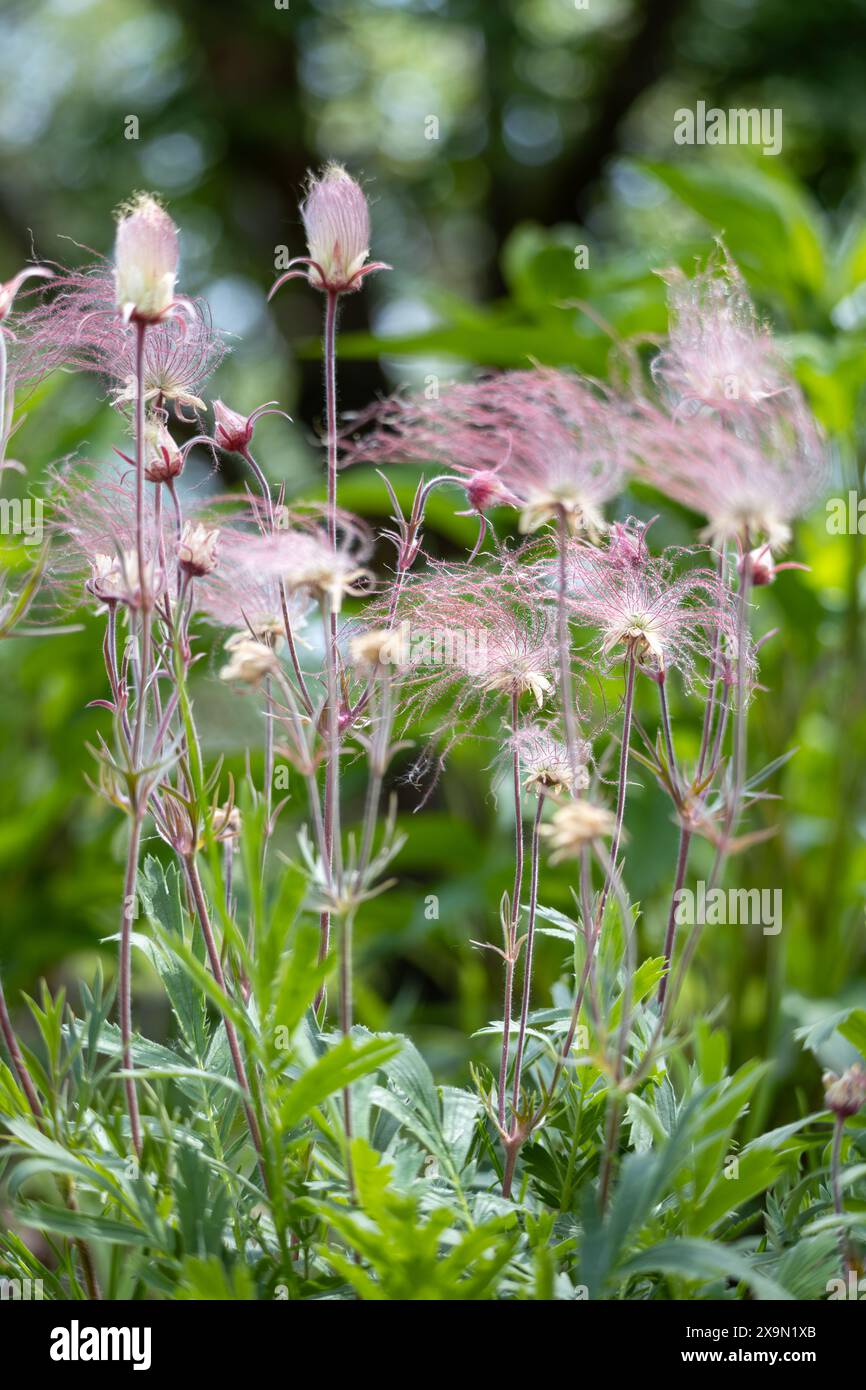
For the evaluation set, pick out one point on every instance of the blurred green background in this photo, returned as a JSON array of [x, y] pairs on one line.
[[494, 141]]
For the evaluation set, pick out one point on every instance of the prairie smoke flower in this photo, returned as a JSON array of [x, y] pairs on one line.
[[718, 356], [117, 579], [750, 484], [543, 441], [233, 431], [474, 634], [239, 598], [741, 445], [845, 1094], [76, 327], [146, 256], [164, 459], [304, 561], [249, 660], [337, 225], [639, 601], [546, 767], [226, 823], [197, 549], [574, 826]]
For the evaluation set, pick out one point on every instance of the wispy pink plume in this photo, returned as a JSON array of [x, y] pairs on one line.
[[548, 438], [75, 325], [737, 442], [665, 610]]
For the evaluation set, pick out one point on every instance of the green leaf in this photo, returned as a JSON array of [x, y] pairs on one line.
[[345, 1062], [703, 1260]]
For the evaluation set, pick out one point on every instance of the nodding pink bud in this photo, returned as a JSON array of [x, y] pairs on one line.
[[197, 549], [845, 1094], [337, 224], [484, 490], [761, 567], [11, 287], [163, 458], [146, 254], [232, 431]]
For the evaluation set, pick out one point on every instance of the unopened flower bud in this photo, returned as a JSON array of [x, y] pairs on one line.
[[337, 224], [11, 287], [163, 457], [845, 1094], [761, 567], [196, 550], [146, 255], [484, 490], [232, 431]]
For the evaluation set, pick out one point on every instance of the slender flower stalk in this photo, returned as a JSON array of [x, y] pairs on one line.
[[528, 952], [511, 946], [25, 1080]]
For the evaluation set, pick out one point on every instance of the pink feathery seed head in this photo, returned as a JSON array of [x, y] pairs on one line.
[[718, 355], [302, 559], [75, 326], [94, 543], [146, 258], [663, 611], [750, 483], [237, 598], [554, 443], [476, 635], [546, 766]]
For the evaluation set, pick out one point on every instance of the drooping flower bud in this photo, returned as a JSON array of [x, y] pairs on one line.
[[232, 431], [11, 287], [337, 224], [196, 550], [146, 255], [163, 458], [845, 1094], [484, 489], [761, 567]]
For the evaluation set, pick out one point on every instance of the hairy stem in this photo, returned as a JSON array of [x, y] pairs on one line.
[[527, 960], [127, 918], [511, 943], [25, 1080], [622, 783], [836, 1184]]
